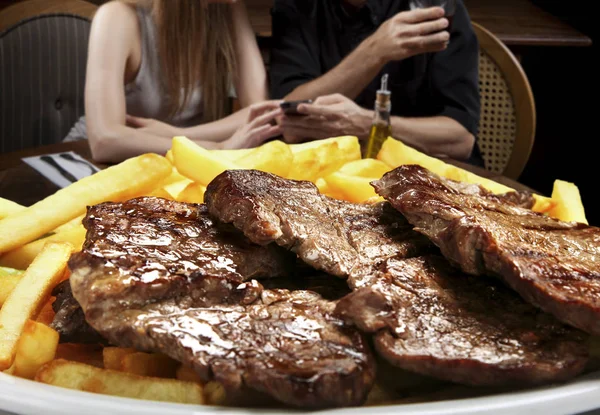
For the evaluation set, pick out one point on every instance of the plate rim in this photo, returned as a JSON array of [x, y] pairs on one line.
[[29, 397]]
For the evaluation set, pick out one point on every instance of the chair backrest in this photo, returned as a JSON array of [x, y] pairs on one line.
[[508, 115], [42, 71], [31, 8]]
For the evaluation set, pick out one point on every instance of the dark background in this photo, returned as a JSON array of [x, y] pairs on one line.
[[565, 83]]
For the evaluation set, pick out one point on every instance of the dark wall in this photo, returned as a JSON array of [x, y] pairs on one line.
[[565, 84]]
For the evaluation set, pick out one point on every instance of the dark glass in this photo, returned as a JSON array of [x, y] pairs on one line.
[[449, 7]]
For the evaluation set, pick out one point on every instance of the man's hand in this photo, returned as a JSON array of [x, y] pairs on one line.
[[411, 33], [329, 116]]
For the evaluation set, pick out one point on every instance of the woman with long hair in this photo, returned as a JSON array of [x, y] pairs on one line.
[[161, 68]]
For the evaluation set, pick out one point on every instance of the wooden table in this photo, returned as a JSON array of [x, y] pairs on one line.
[[24, 185], [515, 22]]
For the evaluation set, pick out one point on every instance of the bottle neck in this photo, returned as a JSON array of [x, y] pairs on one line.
[[382, 114]]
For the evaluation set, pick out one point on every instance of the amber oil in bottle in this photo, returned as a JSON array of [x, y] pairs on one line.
[[381, 128]]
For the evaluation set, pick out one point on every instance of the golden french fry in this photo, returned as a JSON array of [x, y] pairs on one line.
[[322, 185], [214, 393], [112, 356], [22, 257], [353, 188], [569, 207], [347, 150], [149, 364], [174, 189], [37, 346], [197, 163], [395, 153], [30, 294], [310, 163], [322, 157], [273, 157], [232, 155], [365, 168], [133, 177], [160, 192], [193, 193], [169, 156], [174, 177], [9, 278], [78, 376], [8, 207], [327, 190], [73, 223], [542, 204], [346, 142]]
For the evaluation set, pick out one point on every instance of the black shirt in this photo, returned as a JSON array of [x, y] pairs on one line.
[[310, 37]]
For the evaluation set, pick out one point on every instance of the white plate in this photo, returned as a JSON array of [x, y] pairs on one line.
[[25, 397]]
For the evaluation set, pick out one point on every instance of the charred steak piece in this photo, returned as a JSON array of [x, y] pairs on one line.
[[156, 275], [286, 344], [552, 264], [69, 320], [72, 326], [162, 244], [161, 237], [328, 234], [433, 319]]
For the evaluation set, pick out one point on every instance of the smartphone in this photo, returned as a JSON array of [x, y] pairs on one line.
[[291, 107]]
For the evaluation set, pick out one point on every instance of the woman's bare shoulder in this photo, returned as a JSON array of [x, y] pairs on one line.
[[117, 12]]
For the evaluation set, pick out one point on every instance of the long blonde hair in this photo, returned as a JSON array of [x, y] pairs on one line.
[[196, 48]]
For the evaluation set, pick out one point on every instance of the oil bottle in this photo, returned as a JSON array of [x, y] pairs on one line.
[[381, 128]]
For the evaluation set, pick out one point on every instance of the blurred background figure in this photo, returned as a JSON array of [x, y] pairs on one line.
[[163, 68], [336, 52]]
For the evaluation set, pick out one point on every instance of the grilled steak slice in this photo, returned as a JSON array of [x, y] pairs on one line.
[[171, 237], [72, 326], [552, 264], [205, 312], [69, 320], [167, 243], [328, 234], [287, 344], [435, 320]]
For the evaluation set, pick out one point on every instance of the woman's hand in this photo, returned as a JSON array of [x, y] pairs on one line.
[[259, 126], [153, 126]]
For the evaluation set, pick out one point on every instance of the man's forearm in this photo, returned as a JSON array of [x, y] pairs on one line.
[[437, 136], [348, 78]]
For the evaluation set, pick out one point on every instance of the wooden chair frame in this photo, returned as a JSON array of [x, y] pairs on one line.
[[523, 100], [12, 15]]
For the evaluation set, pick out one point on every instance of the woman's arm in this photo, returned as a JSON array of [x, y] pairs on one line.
[[113, 59], [250, 79], [112, 62]]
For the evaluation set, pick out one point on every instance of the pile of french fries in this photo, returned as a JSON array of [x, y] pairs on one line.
[[36, 243]]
